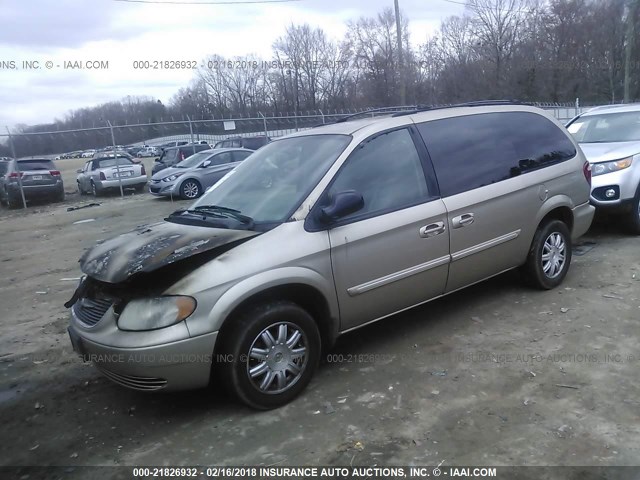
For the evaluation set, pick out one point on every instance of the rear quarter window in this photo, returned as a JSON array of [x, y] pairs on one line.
[[477, 150]]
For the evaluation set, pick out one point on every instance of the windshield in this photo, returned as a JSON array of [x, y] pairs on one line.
[[607, 127], [194, 160], [25, 165], [270, 184]]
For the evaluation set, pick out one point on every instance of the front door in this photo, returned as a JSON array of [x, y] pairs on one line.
[[394, 253]]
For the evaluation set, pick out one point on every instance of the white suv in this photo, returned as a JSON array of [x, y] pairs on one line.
[[610, 139]]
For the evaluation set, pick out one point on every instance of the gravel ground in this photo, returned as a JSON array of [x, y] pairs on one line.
[[497, 374]]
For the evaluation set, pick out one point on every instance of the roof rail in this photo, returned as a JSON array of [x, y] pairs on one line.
[[477, 103], [372, 110]]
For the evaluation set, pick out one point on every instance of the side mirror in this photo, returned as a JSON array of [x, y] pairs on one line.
[[206, 163], [342, 204], [79, 170]]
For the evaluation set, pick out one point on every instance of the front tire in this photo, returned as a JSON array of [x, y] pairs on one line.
[[550, 255], [634, 215], [272, 350], [190, 189]]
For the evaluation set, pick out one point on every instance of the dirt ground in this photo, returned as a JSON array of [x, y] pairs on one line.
[[497, 374]]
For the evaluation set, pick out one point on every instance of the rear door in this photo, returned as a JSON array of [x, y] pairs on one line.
[[217, 169], [484, 164], [393, 253]]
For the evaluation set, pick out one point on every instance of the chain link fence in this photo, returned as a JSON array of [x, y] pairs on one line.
[[72, 143], [55, 143]]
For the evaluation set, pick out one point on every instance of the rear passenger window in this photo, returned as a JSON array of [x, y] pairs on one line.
[[222, 158], [477, 150], [387, 171]]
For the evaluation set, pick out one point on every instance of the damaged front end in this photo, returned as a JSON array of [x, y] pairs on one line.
[[124, 322], [144, 263]]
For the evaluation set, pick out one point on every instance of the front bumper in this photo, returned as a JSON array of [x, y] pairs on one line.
[[163, 189], [180, 365], [624, 183]]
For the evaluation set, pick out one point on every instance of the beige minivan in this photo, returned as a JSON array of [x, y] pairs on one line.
[[325, 231]]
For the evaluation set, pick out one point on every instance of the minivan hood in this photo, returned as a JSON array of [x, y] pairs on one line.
[[150, 247], [604, 152]]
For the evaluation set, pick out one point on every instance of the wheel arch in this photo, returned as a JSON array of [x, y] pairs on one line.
[[308, 294], [559, 207]]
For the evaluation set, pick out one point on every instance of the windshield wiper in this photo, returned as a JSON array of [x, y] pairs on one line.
[[221, 211], [204, 213]]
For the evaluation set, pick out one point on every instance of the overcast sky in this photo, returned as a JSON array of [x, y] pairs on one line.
[[121, 32]]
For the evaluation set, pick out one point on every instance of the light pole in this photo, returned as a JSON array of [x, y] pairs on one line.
[[403, 94]]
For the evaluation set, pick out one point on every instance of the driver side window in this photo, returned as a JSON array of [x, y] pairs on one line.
[[387, 171]]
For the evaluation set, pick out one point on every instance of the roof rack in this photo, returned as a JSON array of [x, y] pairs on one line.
[[477, 103], [391, 110]]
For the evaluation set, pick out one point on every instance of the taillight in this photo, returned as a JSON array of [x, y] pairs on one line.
[[586, 169], [54, 173], [144, 172], [15, 174], [102, 177]]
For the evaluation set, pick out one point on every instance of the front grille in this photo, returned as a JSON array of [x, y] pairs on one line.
[[146, 384], [91, 310], [155, 189]]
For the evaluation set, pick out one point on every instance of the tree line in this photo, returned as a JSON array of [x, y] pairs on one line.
[[531, 50]]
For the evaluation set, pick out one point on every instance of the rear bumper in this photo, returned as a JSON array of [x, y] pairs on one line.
[[126, 182], [582, 218], [35, 191]]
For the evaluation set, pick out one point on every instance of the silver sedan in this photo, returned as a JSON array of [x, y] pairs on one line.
[[191, 177], [102, 174]]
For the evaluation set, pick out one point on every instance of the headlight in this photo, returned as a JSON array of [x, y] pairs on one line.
[[155, 313], [172, 177], [608, 167]]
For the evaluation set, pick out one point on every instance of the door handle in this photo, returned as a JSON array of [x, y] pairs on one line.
[[463, 220], [432, 230]]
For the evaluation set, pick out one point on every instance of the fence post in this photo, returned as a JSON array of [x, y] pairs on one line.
[[193, 145], [577, 107], [322, 116], [115, 157], [13, 152], [264, 120]]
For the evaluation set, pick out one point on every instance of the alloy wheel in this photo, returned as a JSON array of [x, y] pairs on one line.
[[553, 255], [277, 358]]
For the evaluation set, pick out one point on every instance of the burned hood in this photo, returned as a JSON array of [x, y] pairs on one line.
[[150, 247]]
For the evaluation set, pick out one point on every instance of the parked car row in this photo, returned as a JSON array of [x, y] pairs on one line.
[[376, 216]]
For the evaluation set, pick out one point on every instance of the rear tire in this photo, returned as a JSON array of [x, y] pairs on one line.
[[273, 350], [94, 191], [550, 256], [13, 202]]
